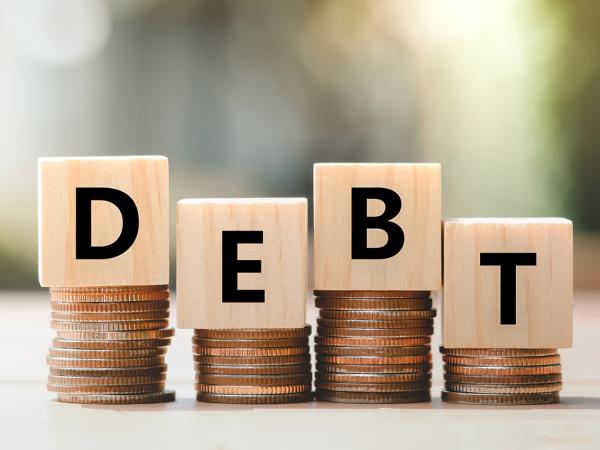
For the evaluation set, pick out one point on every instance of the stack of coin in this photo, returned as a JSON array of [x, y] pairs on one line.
[[111, 344], [253, 366], [501, 376], [373, 346]]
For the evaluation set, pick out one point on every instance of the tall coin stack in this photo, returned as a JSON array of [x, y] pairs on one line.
[[501, 376], [110, 345], [373, 347], [252, 366]]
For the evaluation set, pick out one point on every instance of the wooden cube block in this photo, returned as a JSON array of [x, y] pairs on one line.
[[377, 226], [508, 283], [241, 263], [103, 221]]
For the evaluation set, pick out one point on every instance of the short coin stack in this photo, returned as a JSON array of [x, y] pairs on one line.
[[253, 366], [111, 344], [373, 346], [501, 376]]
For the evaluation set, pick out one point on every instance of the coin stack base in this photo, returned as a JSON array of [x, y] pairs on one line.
[[111, 345], [252, 366], [501, 376], [373, 346]]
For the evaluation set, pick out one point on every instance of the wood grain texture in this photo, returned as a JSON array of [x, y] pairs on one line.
[[145, 179], [283, 253], [417, 266], [544, 293]]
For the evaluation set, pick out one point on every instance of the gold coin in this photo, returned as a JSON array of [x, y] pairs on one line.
[[373, 332], [372, 387], [254, 333], [106, 363], [498, 399], [110, 317], [503, 379], [379, 324], [108, 297], [125, 372], [123, 307], [374, 368], [498, 361], [507, 370], [375, 316], [372, 294], [243, 352], [107, 389], [252, 369], [503, 389], [250, 343], [253, 390], [119, 399], [109, 326], [255, 399], [372, 304], [111, 345], [372, 351], [115, 335], [252, 360], [372, 397], [106, 354], [373, 377], [372, 341], [106, 381], [108, 289], [497, 352], [358, 360], [254, 380]]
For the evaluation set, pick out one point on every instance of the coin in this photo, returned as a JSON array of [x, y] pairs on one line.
[[110, 317], [109, 326], [110, 345], [105, 363], [106, 354], [95, 381], [108, 297], [385, 324], [250, 343], [252, 369], [373, 304], [372, 351], [374, 368], [507, 370], [503, 389], [372, 294], [253, 390], [108, 372], [123, 307], [372, 387], [255, 399], [254, 380], [254, 333], [115, 335], [108, 289], [503, 379], [393, 360], [498, 361], [372, 332], [372, 397], [108, 389], [253, 360], [119, 399], [373, 378], [372, 341], [499, 399], [360, 315], [497, 352], [243, 352]]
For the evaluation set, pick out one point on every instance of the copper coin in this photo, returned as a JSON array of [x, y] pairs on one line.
[[106, 381], [105, 363], [107, 389], [109, 289], [513, 379], [253, 390], [503, 389], [109, 326], [385, 324], [108, 297], [498, 399], [115, 335], [373, 378], [358, 360], [254, 380], [372, 341], [244, 352], [372, 387], [119, 399], [110, 345], [372, 351], [255, 399], [250, 343], [110, 317], [108, 372], [360, 315], [252, 369], [497, 352], [252, 360], [373, 332], [123, 307], [106, 354], [507, 370], [254, 333], [497, 361], [372, 397], [373, 304], [374, 368], [371, 294]]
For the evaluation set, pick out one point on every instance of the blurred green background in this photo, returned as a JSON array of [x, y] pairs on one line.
[[244, 96]]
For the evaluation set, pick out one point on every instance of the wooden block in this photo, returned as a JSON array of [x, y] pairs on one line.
[[407, 200], [536, 255], [87, 215], [219, 245]]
